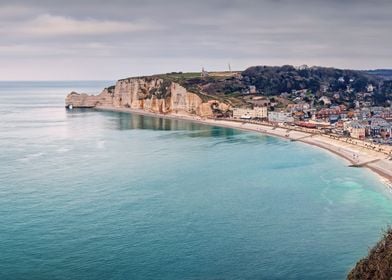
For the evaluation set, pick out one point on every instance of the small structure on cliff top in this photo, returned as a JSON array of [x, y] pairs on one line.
[[204, 73]]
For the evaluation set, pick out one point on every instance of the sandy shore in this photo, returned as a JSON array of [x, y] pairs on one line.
[[357, 154]]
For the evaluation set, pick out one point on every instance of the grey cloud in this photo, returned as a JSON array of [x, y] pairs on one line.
[[153, 36]]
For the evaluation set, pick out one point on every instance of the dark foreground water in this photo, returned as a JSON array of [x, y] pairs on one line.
[[100, 195]]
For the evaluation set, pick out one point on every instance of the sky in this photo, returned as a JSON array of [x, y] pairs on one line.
[[109, 40]]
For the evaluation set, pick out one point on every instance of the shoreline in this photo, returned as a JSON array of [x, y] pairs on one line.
[[356, 156]]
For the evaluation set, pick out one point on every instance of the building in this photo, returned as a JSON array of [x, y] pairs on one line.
[[203, 73], [260, 112], [280, 117], [246, 113], [380, 128], [239, 113], [325, 100], [357, 130], [363, 113], [252, 89], [377, 110], [387, 115], [302, 67], [325, 113], [302, 106], [370, 88], [333, 118]]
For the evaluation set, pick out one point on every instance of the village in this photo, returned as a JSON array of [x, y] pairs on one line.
[[365, 122]]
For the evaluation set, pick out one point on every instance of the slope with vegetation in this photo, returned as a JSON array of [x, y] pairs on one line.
[[343, 86], [378, 264]]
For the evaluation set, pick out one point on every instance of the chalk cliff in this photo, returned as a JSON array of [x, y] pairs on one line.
[[152, 94]]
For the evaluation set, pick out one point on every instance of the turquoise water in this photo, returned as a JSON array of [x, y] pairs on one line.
[[100, 195]]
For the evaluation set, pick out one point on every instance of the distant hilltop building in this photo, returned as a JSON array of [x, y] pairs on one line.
[[302, 67], [204, 73]]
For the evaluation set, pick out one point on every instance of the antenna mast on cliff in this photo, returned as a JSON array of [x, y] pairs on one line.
[[204, 73]]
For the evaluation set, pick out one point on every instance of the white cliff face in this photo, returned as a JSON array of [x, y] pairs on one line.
[[150, 94], [184, 101]]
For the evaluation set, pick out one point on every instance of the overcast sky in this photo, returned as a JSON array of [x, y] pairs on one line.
[[102, 39]]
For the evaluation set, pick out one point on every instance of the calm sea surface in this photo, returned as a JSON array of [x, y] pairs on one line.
[[100, 195]]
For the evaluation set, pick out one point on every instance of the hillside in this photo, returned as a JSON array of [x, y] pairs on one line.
[[344, 86], [381, 73], [378, 264]]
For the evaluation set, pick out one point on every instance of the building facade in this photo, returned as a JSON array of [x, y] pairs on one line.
[[357, 130], [255, 113], [280, 117]]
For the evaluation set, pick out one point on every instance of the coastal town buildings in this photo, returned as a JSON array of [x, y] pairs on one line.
[[357, 130], [327, 113], [372, 123], [247, 113], [260, 112], [280, 117], [380, 127], [387, 115], [325, 100]]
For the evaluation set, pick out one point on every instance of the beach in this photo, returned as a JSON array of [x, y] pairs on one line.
[[356, 154]]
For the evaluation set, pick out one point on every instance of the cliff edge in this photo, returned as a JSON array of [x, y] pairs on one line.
[[378, 264], [152, 94]]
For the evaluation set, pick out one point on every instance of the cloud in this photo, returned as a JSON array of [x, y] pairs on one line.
[[47, 25], [15, 11], [150, 36]]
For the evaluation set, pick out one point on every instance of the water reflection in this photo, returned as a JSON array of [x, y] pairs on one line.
[[180, 128], [125, 121]]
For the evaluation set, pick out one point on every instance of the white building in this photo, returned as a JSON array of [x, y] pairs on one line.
[[260, 112], [252, 89], [239, 113], [370, 88], [280, 117], [255, 113], [325, 99]]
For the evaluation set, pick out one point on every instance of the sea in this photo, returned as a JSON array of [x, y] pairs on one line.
[[87, 194]]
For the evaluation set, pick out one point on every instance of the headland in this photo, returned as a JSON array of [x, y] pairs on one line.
[[217, 99]]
